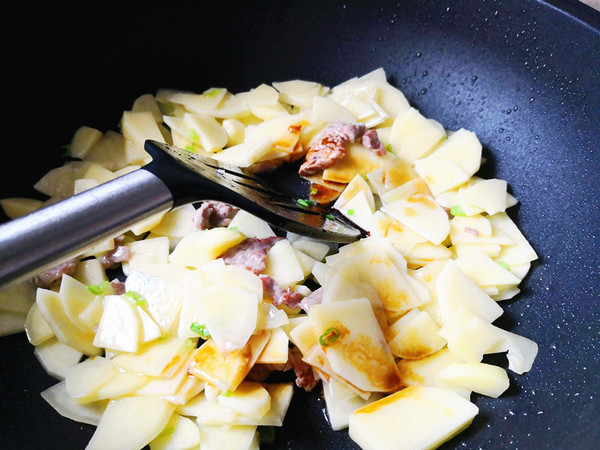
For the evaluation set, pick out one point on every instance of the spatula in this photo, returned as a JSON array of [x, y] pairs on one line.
[[175, 177]]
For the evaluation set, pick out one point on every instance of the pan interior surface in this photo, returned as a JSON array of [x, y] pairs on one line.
[[522, 75]]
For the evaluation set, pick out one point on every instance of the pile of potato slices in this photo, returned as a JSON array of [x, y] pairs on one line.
[[181, 351]]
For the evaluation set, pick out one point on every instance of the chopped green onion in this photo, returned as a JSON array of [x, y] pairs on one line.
[[169, 109], [193, 135], [212, 92], [190, 148], [136, 298], [457, 210], [200, 330], [98, 289], [266, 434], [388, 148], [302, 202], [350, 212], [234, 228], [68, 151], [504, 265], [330, 216], [314, 191], [226, 394], [329, 337]]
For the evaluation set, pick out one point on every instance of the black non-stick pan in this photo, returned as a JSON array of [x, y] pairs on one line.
[[523, 75]]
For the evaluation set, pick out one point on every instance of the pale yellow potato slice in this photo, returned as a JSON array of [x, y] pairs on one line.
[[130, 423], [414, 417]]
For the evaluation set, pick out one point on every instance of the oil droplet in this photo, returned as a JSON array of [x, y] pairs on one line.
[[418, 54], [425, 73]]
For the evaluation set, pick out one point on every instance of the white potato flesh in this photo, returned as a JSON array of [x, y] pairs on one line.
[[130, 423], [360, 353], [461, 148], [485, 379], [180, 433], [341, 402], [16, 206], [120, 327], [414, 136], [58, 397], [276, 350], [421, 214], [326, 110], [84, 379], [236, 437], [415, 335], [210, 133], [249, 399], [176, 223], [414, 417], [250, 225], [455, 289], [36, 327], [358, 209], [83, 140], [229, 313], [426, 371], [356, 185], [50, 305], [282, 264], [200, 247], [57, 358], [75, 298], [161, 289], [246, 153], [155, 357], [140, 126]]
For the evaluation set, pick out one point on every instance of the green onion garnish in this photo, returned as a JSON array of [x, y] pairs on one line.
[[350, 212], [193, 135], [200, 330], [329, 337], [504, 265], [388, 148], [212, 92], [190, 148], [314, 191], [226, 394], [330, 216], [136, 298], [98, 289], [457, 210]]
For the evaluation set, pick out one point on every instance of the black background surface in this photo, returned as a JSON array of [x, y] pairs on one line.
[[523, 75]]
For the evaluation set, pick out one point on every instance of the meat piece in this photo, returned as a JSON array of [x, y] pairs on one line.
[[118, 286], [305, 377], [280, 296], [53, 275], [371, 140], [329, 147], [314, 298], [251, 253], [213, 214], [117, 255]]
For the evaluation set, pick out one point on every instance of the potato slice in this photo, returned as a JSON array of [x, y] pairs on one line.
[[484, 379], [57, 358], [58, 397], [130, 423], [414, 136], [415, 417], [179, 433], [200, 247], [359, 353]]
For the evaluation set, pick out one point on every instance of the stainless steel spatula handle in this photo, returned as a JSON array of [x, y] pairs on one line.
[[40, 240]]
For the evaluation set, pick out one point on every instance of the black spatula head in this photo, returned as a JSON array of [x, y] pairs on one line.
[[193, 177]]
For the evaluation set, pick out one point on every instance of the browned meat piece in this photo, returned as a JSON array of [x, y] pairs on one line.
[[314, 298], [280, 296], [329, 147], [371, 140], [213, 214], [305, 377], [53, 275], [118, 286], [251, 253], [117, 255]]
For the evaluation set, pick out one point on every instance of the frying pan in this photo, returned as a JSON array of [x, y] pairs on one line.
[[524, 75]]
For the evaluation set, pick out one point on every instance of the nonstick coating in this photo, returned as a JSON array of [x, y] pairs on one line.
[[523, 75]]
